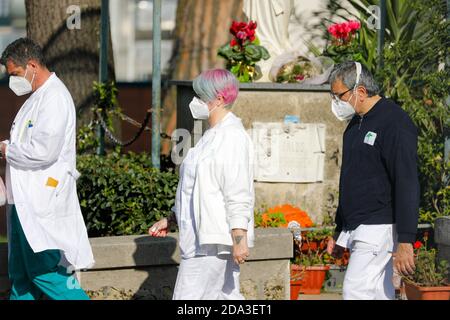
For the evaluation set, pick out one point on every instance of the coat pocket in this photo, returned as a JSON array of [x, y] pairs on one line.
[[45, 188]]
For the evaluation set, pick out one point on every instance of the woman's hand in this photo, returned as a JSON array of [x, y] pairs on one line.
[[240, 246], [160, 229]]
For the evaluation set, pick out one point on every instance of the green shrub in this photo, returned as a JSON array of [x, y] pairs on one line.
[[414, 75], [121, 194]]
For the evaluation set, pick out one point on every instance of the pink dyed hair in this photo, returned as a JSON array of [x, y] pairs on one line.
[[211, 84]]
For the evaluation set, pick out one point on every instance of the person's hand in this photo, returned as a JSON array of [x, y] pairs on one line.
[[240, 246], [160, 229], [2, 150], [333, 249], [404, 259], [331, 245]]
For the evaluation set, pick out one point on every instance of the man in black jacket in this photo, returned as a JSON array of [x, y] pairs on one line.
[[379, 192]]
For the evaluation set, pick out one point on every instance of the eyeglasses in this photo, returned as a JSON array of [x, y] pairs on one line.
[[338, 96]]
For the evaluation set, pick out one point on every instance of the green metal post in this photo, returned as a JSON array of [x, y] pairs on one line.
[[156, 86], [103, 65], [381, 33]]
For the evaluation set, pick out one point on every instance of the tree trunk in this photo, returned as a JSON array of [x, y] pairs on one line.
[[202, 28], [72, 54]]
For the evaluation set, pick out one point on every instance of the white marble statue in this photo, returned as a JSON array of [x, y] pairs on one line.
[[273, 18]]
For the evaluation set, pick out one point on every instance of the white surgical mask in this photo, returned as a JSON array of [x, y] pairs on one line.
[[343, 110], [200, 109], [20, 85]]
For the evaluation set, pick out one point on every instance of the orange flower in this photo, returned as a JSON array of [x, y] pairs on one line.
[[291, 214]]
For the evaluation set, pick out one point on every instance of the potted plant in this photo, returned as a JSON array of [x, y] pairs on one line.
[[430, 279], [311, 263], [344, 42], [244, 51]]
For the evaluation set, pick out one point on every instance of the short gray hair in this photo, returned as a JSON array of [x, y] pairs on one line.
[[21, 51], [346, 72]]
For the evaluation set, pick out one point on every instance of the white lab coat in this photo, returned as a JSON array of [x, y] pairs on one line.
[[223, 189], [41, 153]]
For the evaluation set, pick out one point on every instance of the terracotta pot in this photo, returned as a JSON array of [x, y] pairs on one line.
[[296, 281], [414, 292], [311, 281]]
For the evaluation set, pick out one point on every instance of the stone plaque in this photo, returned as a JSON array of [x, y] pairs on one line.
[[289, 153]]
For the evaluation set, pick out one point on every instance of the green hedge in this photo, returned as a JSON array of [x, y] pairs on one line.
[[121, 194]]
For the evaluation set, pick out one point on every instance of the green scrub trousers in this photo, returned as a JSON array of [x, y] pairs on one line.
[[34, 274]]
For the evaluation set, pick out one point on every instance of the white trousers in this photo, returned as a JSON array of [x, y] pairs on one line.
[[212, 277], [369, 274]]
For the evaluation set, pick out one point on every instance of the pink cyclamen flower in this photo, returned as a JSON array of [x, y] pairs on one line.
[[354, 25]]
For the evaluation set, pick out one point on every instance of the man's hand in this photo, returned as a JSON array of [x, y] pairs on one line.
[[330, 245], [333, 249], [240, 246], [404, 259]]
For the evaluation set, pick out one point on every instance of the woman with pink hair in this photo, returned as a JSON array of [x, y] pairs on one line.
[[215, 197]]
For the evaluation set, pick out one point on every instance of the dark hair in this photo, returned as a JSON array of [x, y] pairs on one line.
[[21, 51], [346, 72]]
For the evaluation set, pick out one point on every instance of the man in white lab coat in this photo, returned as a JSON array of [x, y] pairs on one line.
[[46, 231]]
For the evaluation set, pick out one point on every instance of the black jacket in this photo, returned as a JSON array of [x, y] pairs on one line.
[[379, 179]]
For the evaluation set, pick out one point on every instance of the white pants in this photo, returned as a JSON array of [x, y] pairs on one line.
[[212, 277], [369, 274]]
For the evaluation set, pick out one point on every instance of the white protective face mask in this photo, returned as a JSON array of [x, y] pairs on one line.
[[343, 110], [200, 109], [20, 85]]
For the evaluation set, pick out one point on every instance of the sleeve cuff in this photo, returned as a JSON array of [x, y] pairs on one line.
[[406, 237], [239, 223]]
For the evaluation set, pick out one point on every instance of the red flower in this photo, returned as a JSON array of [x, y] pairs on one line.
[[418, 245], [354, 25], [236, 27], [342, 31], [243, 31], [234, 42]]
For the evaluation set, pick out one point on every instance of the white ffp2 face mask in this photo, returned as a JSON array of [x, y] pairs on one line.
[[20, 85], [343, 110], [200, 109]]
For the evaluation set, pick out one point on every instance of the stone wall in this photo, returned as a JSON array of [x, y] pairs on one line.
[[270, 102], [146, 268]]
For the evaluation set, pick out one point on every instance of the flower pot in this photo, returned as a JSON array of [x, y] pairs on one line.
[[296, 281], [313, 279], [414, 292], [310, 282]]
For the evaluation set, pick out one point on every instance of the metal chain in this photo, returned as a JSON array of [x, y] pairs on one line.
[[143, 127]]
